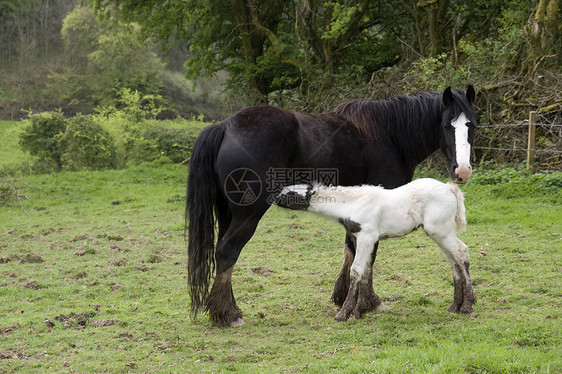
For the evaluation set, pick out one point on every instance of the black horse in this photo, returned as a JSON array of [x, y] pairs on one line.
[[238, 165]]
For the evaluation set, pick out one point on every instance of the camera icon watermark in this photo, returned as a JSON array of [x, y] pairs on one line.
[[243, 186]]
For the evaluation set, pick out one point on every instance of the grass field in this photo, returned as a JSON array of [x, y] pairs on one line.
[[93, 279], [10, 153]]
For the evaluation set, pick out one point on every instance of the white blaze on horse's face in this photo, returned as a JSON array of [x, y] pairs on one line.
[[463, 170]]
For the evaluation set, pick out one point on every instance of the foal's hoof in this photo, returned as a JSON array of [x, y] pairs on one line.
[[239, 322]]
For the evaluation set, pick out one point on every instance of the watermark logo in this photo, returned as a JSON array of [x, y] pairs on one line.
[[243, 186], [277, 178]]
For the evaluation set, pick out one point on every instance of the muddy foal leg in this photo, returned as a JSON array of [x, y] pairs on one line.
[[457, 255], [360, 296], [464, 297], [371, 301]]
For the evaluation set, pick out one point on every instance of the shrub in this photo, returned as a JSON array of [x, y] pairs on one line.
[[42, 134], [87, 145], [175, 143], [510, 182], [8, 191]]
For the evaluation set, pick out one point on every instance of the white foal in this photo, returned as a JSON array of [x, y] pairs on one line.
[[371, 213]]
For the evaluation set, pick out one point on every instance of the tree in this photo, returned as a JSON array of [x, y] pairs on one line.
[[267, 46], [41, 136], [545, 32], [102, 58]]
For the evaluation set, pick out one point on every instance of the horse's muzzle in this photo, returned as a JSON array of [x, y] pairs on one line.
[[462, 173]]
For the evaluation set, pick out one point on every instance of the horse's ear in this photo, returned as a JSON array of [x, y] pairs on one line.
[[447, 96], [471, 94]]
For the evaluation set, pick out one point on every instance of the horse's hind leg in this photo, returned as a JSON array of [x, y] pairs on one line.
[[370, 300], [341, 286], [457, 255], [221, 304]]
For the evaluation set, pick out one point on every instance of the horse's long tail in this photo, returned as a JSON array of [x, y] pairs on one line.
[[202, 194], [460, 217]]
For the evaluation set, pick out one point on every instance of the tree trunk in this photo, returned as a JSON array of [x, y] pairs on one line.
[[545, 33], [436, 11]]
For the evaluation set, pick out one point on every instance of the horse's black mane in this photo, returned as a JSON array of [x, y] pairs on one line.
[[406, 121], [379, 119]]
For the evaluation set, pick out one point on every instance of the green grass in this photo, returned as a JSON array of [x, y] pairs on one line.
[[93, 279], [10, 153]]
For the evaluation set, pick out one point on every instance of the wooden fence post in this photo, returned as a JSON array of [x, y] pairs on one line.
[[531, 139]]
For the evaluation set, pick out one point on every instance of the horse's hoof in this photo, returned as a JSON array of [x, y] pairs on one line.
[[341, 317], [453, 308], [382, 306], [239, 322]]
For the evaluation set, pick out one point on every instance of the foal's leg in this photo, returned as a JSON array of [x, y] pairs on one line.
[[457, 255], [221, 304], [342, 284], [360, 297], [462, 266]]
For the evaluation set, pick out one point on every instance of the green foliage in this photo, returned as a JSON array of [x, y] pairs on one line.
[[174, 143], [103, 58], [271, 50], [80, 32], [126, 121], [510, 182], [342, 16], [41, 136], [133, 106], [74, 144], [118, 136], [87, 145], [8, 191]]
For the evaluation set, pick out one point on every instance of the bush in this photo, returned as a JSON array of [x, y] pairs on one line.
[[42, 135], [113, 138], [175, 143], [87, 145], [510, 182], [8, 191]]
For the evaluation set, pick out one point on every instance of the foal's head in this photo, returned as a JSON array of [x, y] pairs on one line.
[[457, 131]]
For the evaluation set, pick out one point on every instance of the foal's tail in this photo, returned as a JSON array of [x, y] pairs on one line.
[[460, 217], [202, 194]]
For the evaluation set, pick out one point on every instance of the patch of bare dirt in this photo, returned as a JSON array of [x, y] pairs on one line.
[[263, 271], [8, 330], [33, 285], [29, 258], [77, 320], [6, 354]]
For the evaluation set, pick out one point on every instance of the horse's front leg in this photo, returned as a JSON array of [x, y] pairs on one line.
[[360, 296], [370, 300]]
